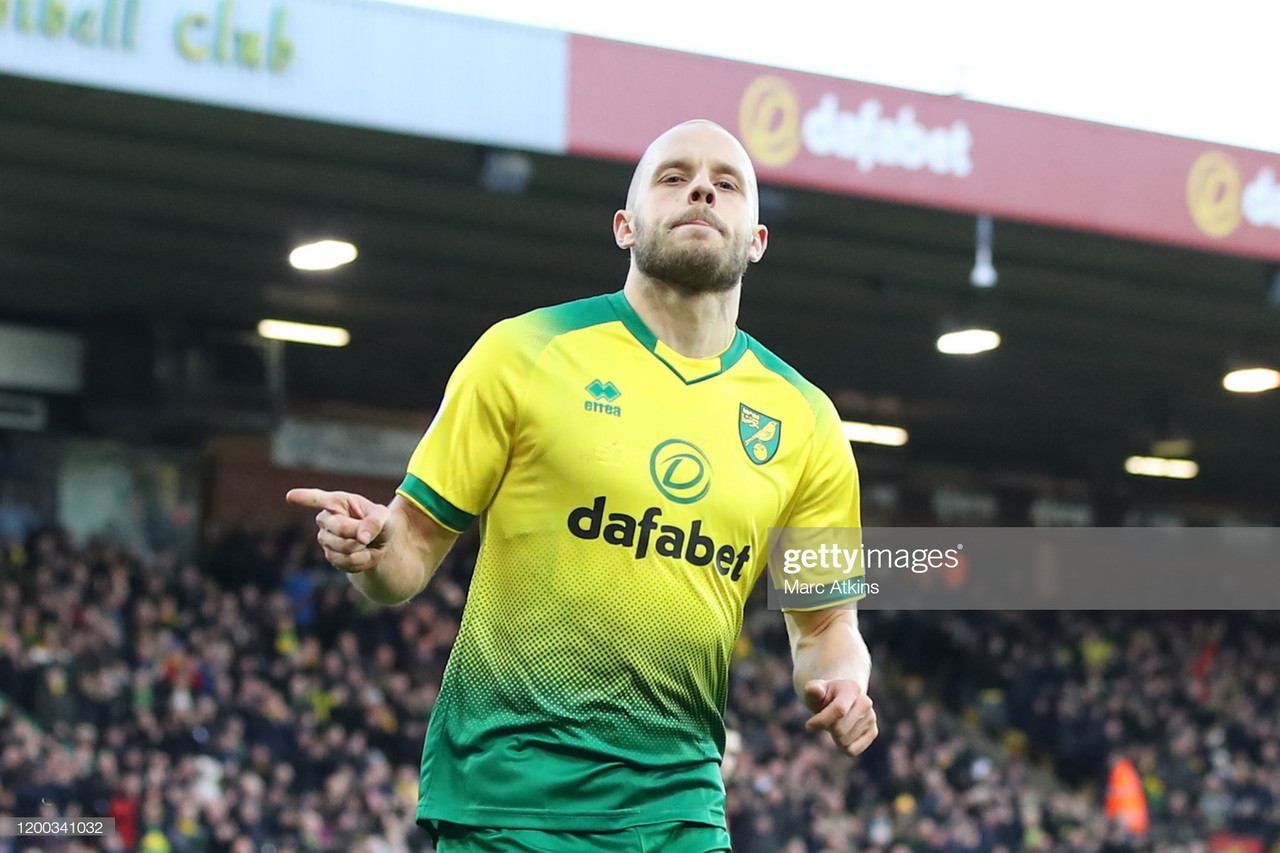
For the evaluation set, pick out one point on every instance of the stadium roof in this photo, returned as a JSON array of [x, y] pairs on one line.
[[121, 215]]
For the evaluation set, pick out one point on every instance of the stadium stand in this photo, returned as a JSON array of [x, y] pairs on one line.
[[257, 703]]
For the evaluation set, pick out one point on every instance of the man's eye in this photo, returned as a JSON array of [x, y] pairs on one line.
[[670, 179], [728, 185]]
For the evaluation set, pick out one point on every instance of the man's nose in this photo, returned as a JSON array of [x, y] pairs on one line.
[[702, 190]]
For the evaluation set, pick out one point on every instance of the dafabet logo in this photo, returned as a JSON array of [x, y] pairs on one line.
[[769, 120], [774, 126], [1217, 202]]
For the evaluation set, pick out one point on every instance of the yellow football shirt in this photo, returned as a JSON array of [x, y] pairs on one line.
[[624, 493]]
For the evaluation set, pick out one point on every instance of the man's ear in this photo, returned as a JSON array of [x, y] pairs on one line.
[[624, 233], [759, 242]]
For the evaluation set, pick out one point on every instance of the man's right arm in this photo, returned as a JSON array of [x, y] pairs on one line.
[[390, 552], [414, 552]]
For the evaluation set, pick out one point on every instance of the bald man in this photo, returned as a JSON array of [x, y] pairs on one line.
[[626, 455]]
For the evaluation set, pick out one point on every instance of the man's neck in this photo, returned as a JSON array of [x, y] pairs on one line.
[[696, 325]]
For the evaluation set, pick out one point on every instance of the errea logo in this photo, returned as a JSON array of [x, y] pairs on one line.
[[604, 393]]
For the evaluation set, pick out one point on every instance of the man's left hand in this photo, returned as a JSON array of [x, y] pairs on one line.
[[840, 707]]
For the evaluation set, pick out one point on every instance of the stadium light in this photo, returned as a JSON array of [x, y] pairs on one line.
[[304, 333], [890, 436], [505, 171], [1251, 380], [1155, 466], [322, 255], [968, 341], [983, 273]]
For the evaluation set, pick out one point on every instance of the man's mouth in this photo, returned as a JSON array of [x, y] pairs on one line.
[[702, 222]]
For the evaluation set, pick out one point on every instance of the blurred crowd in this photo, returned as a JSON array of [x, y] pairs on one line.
[[271, 709], [1190, 698], [256, 703]]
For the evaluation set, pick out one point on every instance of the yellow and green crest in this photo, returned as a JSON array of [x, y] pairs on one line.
[[759, 432]]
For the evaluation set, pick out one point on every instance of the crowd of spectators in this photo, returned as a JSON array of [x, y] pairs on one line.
[[206, 717], [1190, 698], [256, 703]]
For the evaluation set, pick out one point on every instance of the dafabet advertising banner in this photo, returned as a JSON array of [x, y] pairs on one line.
[[412, 70], [861, 139]]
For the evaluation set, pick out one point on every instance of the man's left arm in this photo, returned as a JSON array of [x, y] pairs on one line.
[[832, 663], [832, 668]]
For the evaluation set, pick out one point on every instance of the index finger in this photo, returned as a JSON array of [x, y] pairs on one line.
[[314, 498]]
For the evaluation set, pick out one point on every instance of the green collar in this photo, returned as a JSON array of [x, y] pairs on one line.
[[649, 341]]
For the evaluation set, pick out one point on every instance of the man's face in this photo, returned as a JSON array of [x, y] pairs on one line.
[[693, 215]]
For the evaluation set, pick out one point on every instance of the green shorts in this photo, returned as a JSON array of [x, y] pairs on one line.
[[651, 838]]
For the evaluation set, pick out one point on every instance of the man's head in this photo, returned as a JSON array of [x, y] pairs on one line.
[[692, 214]]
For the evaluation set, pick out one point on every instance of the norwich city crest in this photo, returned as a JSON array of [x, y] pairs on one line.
[[760, 434]]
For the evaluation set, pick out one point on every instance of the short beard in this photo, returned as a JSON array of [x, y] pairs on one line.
[[693, 269]]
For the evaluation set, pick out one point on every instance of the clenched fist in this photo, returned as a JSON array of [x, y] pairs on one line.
[[840, 707]]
